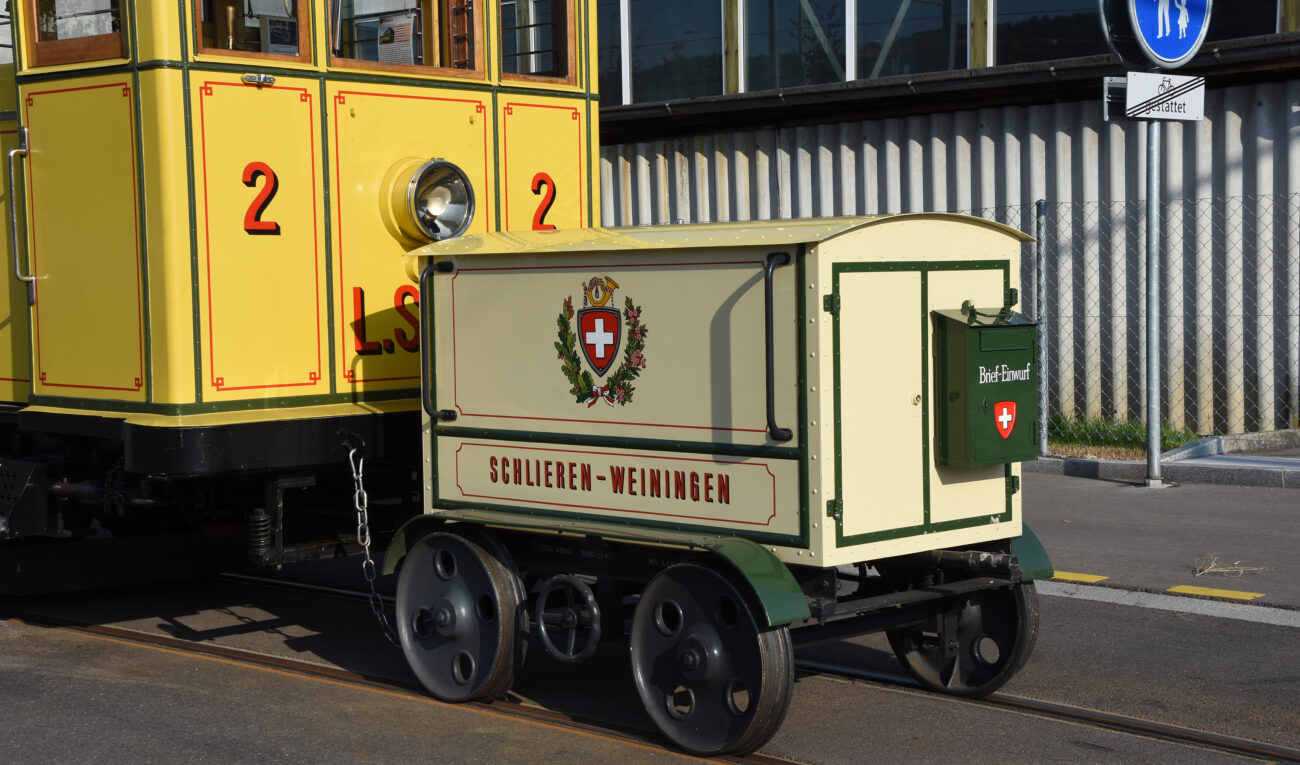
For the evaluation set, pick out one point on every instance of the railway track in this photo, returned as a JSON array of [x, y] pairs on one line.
[[390, 685], [1076, 715], [1089, 717]]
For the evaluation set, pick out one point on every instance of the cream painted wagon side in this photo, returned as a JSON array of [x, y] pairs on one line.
[[717, 441]]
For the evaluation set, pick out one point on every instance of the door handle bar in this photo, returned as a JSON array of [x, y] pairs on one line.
[[774, 260], [11, 168]]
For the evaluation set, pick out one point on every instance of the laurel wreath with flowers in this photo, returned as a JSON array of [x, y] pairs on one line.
[[619, 389]]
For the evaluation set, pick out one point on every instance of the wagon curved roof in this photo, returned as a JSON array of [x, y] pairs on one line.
[[734, 234]]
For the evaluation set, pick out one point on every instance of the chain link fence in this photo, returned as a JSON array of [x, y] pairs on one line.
[[1229, 314]]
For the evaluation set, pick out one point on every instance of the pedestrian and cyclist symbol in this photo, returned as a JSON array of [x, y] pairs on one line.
[[1170, 31]]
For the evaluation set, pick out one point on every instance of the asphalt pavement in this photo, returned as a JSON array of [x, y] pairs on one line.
[[1224, 524]]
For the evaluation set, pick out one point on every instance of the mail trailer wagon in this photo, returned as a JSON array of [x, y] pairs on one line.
[[718, 441]]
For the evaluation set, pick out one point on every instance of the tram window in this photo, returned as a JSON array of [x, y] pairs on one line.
[[270, 27], [386, 33], [534, 38], [70, 31]]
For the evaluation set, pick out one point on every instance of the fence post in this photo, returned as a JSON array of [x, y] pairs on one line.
[[1153, 304], [1040, 300]]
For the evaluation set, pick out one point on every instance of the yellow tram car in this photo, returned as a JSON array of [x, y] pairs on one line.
[[207, 206]]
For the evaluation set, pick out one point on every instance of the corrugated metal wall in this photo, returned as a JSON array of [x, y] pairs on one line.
[[1231, 230]]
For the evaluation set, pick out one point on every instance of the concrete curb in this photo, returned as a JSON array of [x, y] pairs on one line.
[[1192, 471], [1213, 446]]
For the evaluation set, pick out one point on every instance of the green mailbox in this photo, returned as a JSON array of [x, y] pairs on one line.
[[987, 387]]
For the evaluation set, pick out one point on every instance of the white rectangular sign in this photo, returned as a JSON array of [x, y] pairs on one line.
[[1164, 97]]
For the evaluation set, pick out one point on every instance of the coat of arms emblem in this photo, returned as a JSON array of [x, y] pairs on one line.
[[600, 333], [1004, 416]]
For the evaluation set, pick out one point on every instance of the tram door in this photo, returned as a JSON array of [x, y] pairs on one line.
[[79, 261]]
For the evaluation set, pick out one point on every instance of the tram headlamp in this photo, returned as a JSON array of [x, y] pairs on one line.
[[429, 201]]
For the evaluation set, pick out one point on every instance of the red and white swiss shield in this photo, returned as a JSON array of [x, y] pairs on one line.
[[599, 332], [1004, 416]]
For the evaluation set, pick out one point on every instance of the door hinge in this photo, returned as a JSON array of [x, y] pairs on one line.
[[1014, 482], [835, 509], [831, 302]]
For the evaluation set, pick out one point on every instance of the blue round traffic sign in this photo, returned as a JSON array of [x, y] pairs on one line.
[[1170, 31]]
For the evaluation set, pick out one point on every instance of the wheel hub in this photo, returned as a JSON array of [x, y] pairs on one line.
[[444, 618], [698, 657]]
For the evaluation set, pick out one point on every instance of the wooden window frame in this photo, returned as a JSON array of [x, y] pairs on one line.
[[570, 31], [305, 51], [439, 38], [78, 50]]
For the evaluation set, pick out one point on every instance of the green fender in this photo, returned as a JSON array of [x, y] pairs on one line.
[[410, 532], [1034, 563], [775, 587]]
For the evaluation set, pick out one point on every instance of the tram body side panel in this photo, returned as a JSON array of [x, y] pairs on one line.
[[546, 176], [260, 218], [88, 323], [170, 265], [372, 128], [873, 377]]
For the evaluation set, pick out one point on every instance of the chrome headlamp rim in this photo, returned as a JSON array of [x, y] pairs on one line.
[[415, 205]]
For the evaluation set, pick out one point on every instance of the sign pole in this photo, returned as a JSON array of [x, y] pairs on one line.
[[1165, 34], [1153, 302]]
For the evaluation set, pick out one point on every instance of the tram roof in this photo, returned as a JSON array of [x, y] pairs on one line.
[[732, 234]]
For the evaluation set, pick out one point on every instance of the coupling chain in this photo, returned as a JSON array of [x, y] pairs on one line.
[[368, 570]]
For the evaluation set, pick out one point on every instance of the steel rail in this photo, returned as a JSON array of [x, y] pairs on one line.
[[409, 688], [1090, 717]]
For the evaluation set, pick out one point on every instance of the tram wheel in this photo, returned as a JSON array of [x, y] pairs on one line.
[[994, 634], [713, 680], [457, 614]]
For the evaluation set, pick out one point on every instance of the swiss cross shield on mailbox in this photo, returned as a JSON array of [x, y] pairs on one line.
[[1004, 415], [599, 333]]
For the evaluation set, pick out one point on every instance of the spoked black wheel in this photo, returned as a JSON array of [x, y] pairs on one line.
[[568, 619], [712, 679], [457, 614], [993, 635]]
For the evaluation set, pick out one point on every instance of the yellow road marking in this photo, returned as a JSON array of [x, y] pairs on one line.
[[1210, 592], [1066, 576]]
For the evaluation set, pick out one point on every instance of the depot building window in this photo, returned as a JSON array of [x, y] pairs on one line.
[[401, 34], [660, 50], [275, 29], [71, 31]]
